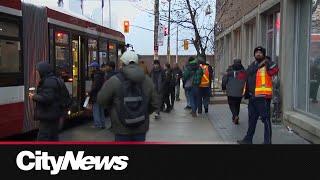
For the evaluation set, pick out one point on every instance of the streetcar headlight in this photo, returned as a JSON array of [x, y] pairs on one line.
[[69, 112]]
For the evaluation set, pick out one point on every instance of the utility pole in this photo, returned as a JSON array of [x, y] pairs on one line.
[[156, 29], [177, 49], [169, 32]]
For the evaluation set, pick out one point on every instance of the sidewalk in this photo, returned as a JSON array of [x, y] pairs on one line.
[[176, 127], [221, 118]]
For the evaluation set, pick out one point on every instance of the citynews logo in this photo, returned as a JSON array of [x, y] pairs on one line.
[[27, 160]]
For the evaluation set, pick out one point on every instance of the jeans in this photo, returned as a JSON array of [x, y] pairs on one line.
[[127, 138], [48, 131], [98, 116], [259, 107], [194, 98], [178, 90], [187, 94], [234, 104], [204, 98]]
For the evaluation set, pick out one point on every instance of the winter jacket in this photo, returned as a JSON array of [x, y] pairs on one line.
[[109, 75], [272, 69], [110, 95], [236, 79], [169, 81], [48, 108], [195, 72], [177, 73], [98, 80], [158, 78]]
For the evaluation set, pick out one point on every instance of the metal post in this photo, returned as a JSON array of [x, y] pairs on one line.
[[169, 32], [109, 13], [177, 49], [156, 29]]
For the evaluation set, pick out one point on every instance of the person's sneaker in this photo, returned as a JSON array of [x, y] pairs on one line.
[[206, 110], [194, 114], [157, 116], [187, 108], [243, 142], [199, 112], [236, 120]]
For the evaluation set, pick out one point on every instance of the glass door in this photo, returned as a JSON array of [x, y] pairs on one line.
[[75, 67]]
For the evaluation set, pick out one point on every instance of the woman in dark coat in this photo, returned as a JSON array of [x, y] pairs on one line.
[[236, 79]]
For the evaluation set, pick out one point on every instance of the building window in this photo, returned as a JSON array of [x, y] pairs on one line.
[[63, 64], [308, 59], [314, 62], [273, 36]]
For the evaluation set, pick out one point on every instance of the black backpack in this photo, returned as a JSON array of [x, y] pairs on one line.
[[64, 98], [134, 107]]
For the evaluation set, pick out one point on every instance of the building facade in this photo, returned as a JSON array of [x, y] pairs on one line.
[[290, 32]]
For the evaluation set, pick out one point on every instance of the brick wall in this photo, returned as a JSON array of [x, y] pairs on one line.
[[231, 11]]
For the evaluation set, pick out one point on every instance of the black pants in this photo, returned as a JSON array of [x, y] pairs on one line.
[[234, 104], [172, 96], [48, 131]]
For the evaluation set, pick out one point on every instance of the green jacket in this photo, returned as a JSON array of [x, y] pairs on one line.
[[109, 97], [193, 71]]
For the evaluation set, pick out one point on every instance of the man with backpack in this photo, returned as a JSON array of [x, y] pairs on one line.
[[192, 78], [169, 95], [52, 101], [131, 98], [205, 85]]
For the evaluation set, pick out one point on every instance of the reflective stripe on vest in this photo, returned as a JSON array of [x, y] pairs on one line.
[[263, 83], [205, 81]]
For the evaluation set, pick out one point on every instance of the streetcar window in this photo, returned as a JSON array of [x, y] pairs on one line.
[[63, 66], [9, 29], [92, 55], [113, 52], [103, 52], [62, 38], [10, 56]]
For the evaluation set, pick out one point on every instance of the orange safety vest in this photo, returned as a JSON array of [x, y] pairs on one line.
[[263, 83], [205, 81]]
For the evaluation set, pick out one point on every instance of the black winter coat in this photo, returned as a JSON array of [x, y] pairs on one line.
[[97, 83], [48, 108]]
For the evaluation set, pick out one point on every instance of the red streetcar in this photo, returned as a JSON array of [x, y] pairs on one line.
[[29, 34]]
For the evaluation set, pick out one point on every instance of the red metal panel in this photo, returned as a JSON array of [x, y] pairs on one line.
[[11, 119], [15, 4], [79, 22]]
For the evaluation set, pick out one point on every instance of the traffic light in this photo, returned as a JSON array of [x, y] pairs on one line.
[[126, 26], [165, 31], [186, 44]]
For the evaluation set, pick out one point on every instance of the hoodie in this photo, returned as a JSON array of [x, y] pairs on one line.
[[110, 97], [47, 106]]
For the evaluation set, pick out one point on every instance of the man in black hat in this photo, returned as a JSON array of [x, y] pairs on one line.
[[259, 92]]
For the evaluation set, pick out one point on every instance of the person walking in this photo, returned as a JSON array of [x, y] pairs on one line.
[[52, 100], [158, 77], [205, 86], [187, 85], [178, 75], [168, 90], [97, 111], [131, 98], [259, 92], [235, 87], [192, 76]]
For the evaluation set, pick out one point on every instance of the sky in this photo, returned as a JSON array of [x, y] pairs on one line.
[[131, 10]]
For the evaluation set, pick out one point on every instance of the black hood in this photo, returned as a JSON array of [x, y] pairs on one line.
[[237, 67], [44, 69]]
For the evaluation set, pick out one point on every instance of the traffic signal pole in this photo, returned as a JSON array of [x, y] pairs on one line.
[[169, 33], [156, 29], [177, 44]]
